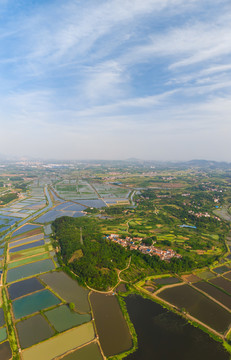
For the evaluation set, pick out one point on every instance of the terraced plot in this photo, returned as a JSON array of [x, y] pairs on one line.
[[27, 253], [26, 240], [25, 228], [32, 303], [62, 318], [29, 270]]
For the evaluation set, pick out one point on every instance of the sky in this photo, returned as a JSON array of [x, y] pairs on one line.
[[115, 79]]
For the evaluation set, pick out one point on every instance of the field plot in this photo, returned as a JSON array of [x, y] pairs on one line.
[[222, 283], [2, 318], [87, 352], [26, 253], [27, 234], [26, 240], [62, 318], [5, 351], [28, 260], [24, 287], [30, 245], [205, 275], [111, 326], [3, 334], [198, 305], [190, 278], [33, 330], [93, 203], [61, 343], [68, 289], [25, 228], [76, 190], [227, 275], [32, 303], [110, 191], [214, 292], [221, 269], [166, 281], [29, 270], [6, 222], [54, 214]]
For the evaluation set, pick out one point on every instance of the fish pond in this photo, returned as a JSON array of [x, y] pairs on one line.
[[113, 331], [28, 260], [27, 246], [62, 318], [214, 292], [32, 303], [24, 287], [61, 343], [2, 318], [5, 351], [87, 352], [222, 283], [165, 335], [68, 289], [198, 305], [25, 228], [33, 330], [3, 334], [221, 269], [26, 240], [29, 270]]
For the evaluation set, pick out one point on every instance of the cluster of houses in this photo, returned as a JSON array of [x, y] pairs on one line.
[[199, 215], [136, 243]]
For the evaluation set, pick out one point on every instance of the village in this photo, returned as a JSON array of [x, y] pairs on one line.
[[136, 243]]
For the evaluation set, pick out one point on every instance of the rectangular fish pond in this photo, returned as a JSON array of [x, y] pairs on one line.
[[26, 246], [113, 331], [29, 270], [33, 330], [32, 303], [24, 287], [68, 289], [198, 305], [62, 318], [87, 352]]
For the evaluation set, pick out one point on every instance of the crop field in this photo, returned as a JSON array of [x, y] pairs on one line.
[[87, 352], [33, 330], [27, 234], [28, 260], [198, 305], [222, 283], [29, 270], [61, 343], [190, 278], [5, 351], [26, 253], [76, 190], [205, 275], [110, 191], [214, 292], [32, 303], [68, 289], [62, 318], [24, 287], [25, 228]]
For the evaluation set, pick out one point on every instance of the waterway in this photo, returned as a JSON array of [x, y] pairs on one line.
[[164, 335]]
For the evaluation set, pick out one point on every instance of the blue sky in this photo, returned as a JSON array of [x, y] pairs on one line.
[[116, 79]]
